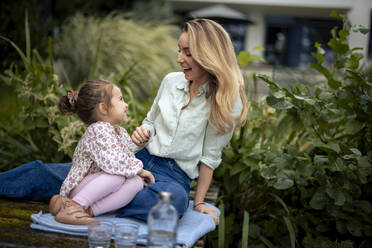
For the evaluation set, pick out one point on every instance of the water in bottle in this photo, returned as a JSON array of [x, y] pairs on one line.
[[162, 223]]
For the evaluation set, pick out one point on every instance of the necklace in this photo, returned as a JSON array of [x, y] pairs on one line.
[[192, 90]]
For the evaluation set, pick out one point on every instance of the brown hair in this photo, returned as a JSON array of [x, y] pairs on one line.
[[84, 103], [211, 46]]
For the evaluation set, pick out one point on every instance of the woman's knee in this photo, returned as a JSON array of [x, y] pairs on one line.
[[180, 198]]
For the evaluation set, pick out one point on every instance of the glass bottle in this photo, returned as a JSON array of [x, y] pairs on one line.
[[162, 223]]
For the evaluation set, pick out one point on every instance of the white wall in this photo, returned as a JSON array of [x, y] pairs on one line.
[[256, 32], [360, 14]]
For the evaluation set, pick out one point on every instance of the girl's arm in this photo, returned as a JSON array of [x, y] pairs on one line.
[[205, 178]]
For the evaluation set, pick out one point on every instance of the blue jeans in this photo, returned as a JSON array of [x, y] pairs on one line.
[[38, 181], [168, 177], [34, 181]]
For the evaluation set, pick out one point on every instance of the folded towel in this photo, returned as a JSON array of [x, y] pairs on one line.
[[191, 227]]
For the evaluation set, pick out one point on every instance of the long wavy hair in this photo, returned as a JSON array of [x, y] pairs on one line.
[[211, 46]]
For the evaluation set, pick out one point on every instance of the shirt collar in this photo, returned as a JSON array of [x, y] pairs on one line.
[[184, 85]]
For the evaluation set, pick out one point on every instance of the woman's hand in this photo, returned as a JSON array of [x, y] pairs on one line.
[[141, 135], [147, 177], [202, 208]]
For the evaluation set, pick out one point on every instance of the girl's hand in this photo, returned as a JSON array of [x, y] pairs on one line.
[[141, 135], [147, 177], [202, 208]]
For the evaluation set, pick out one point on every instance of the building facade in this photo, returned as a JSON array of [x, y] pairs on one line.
[[287, 29]]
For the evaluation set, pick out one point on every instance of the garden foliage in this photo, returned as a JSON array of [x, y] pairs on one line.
[[297, 174], [105, 47], [302, 164], [35, 129]]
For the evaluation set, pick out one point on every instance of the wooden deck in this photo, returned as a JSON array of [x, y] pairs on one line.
[[15, 228]]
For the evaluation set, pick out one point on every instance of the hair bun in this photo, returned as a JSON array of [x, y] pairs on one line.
[[67, 104]]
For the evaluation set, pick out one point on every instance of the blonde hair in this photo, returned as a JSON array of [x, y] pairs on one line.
[[211, 46]]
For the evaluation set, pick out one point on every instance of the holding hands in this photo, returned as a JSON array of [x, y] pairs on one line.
[[147, 177], [141, 135]]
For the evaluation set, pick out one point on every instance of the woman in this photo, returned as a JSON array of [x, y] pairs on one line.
[[192, 118], [194, 113]]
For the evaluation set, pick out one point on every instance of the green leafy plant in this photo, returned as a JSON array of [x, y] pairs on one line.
[[301, 166], [37, 130]]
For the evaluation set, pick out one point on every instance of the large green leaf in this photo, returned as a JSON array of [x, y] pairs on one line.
[[330, 147], [338, 164], [337, 195], [354, 228], [353, 126], [364, 162], [283, 161], [236, 168], [353, 61], [283, 183], [268, 172], [318, 201], [278, 103], [244, 58], [305, 169]]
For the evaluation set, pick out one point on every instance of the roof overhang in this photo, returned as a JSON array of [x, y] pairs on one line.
[[299, 8], [220, 12]]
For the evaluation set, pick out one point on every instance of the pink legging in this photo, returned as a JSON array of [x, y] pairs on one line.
[[105, 192]]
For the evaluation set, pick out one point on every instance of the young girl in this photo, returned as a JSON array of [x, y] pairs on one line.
[[105, 175]]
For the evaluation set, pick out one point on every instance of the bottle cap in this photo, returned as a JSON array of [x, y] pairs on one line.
[[165, 196]]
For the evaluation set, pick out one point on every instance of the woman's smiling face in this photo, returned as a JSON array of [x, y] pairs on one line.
[[192, 70]]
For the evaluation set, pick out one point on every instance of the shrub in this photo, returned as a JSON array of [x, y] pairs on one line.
[[303, 171], [37, 130]]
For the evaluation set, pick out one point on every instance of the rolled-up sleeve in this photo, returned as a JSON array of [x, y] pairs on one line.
[[214, 143]]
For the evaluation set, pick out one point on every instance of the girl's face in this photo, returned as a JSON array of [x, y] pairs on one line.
[[118, 109], [193, 71]]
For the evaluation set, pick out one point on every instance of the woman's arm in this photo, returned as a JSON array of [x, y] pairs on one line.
[[211, 158], [143, 133], [205, 178]]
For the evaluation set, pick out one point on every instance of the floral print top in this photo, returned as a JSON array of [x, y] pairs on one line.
[[102, 149]]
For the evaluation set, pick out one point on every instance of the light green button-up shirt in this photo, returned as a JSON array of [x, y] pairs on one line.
[[185, 135]]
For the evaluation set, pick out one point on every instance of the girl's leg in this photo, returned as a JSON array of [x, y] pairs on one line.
[[94, 187], [119, 198], [104, 192], [84, 183], [142, 203]]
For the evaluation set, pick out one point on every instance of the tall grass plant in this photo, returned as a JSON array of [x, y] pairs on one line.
[[34, 127], [104, 47]]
